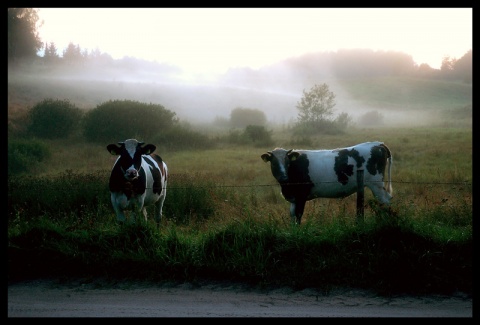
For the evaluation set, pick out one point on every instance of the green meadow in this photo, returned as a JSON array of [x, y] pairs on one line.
[[225, 219]]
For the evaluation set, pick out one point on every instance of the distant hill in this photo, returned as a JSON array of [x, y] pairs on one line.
[[274, 89]]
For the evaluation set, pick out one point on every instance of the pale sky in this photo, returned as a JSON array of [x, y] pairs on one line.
[[204, 40]]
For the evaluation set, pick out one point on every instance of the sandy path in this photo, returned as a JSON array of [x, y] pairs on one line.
[[47, 298]]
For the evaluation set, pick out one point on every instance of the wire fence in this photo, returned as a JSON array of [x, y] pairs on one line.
[[465, 183]]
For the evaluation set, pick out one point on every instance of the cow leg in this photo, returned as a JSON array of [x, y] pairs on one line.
[[296, 211], [159, 206], [138, 213], [120, 216], [118, 211], [158, 210], [292, 211], [299, 210], [384, 197], [380, 193]]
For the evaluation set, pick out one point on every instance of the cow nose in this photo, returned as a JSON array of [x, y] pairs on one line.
[[131, 174]]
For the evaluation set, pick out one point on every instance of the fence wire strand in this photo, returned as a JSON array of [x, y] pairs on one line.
[[465, 183]]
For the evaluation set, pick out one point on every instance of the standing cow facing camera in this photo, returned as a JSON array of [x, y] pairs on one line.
[[308, 174], [138, 179]]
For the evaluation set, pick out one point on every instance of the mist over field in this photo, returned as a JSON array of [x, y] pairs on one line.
[[275, 89]]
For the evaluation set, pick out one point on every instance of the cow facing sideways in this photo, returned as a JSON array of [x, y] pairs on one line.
[[308, 174], [138, 179]]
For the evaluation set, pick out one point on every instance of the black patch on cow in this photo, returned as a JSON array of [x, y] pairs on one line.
[[299, 183], [117, 180], [156, 173], [134, 188], [118, 183], [342, 168], [378, 160]]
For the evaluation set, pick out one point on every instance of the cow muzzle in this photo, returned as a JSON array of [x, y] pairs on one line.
[[131, 174]]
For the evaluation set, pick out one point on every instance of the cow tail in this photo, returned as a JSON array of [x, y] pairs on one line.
[[390, 161]]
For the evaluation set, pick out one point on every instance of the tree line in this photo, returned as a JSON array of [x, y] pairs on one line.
[[24, 43]]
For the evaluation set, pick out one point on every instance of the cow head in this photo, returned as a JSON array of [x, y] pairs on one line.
[[280, 160], [130, 159]]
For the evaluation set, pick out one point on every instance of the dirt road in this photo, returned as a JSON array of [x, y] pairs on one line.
[[47, 298]]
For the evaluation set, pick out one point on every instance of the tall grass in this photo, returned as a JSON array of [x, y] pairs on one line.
[[224, 219]]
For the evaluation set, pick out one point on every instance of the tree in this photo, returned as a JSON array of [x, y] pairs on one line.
[[316, 111], [51, 55], [371, 118], [447, 64], [463, 67], [242, 117], [72, 54], [23, 39], [316, 105]]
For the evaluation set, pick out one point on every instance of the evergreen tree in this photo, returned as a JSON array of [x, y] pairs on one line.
[[23, 39]]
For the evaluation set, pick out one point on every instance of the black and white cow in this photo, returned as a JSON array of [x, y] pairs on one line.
[[308, 174], [138, 179]]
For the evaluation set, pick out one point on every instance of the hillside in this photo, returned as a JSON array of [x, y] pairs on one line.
[[275, 91]]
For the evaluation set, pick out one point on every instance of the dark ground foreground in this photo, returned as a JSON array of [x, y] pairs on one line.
[[51, 298]]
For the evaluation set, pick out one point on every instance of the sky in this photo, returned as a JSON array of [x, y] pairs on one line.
[[212, 40]]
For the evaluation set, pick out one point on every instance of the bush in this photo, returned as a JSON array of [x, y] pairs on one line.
[[242, 117], [236, 137], [258, 135], [371, 118], [181, 137], [252, 134], [343, 120], [119, 120], [25, 155], [52, 119]]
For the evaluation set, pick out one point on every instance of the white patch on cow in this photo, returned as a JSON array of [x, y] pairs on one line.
[[131, 146], [151, 160]]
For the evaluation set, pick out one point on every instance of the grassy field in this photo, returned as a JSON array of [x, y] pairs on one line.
[[225, 219]]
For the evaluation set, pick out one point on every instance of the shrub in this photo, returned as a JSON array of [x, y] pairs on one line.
[[371, 118], [258, 135], [25, 155], [52, 119], [252, 134], [119, 120], [180, 137], [236, 137], [242, 117]]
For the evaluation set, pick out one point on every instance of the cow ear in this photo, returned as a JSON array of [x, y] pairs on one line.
[[148, 149], [113, 149], [293, 155], [266, 157]]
